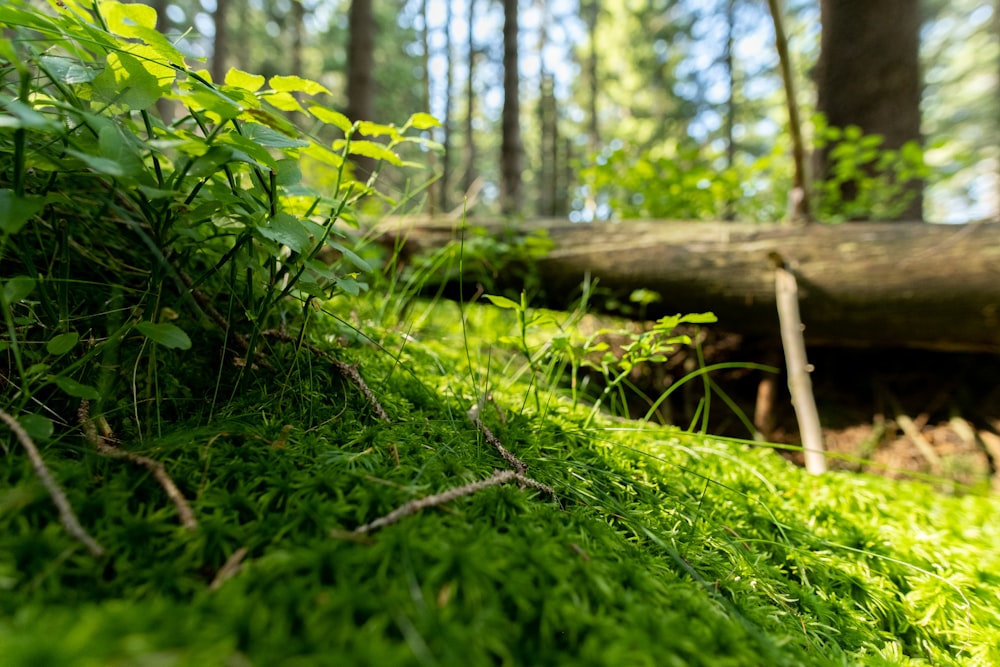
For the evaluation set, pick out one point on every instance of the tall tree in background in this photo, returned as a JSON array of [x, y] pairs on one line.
[[297, 21], [469, 175], [799, 204], [869, 74], [360, 69], [510, 148], [591, 10], [729, 117], [548, 117], [445, 182], [220, 47], [425, 65]]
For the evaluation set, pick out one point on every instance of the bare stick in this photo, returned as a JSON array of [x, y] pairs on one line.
[[520, 466], [229, 569], [799, 383], [414, 506], [348, 371], [104, 444], [66, 514]]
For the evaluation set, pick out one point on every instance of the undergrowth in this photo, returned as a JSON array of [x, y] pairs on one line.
[[165, 315]]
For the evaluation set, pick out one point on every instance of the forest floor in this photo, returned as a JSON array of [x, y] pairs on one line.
[[330, 532]]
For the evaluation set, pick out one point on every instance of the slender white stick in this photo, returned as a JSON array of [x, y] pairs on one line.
[[799, 383]]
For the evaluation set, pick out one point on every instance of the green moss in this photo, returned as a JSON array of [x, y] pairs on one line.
[[664, 548]]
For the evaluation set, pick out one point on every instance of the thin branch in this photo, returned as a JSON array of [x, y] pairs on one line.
[[520, 466], [799, 204], [348, 371], [414, 506], [229, 569], [66, 514], [104, 444], [799, 383]]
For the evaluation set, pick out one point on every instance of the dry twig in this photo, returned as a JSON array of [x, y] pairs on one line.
[[414, 506], [799, 384], [520, 466], [66, 514], [229, 569], [104, 444], [348, 371]]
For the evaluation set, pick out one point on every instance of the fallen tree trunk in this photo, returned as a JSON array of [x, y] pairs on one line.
[[868, 284]]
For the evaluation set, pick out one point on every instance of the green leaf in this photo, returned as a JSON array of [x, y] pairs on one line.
[[16, 211], [254, 153], [138, 21], [76, 389], [166, 334], [63, 343], [296, 84], [124, 19], [369, 149], [283, 101], [422, 121], [17, 288], [265, 136], [131, 82], [287, 230], [67, 70], [288, 172], [244, 80], [331, 117], [503, 302], [23, 116], [370, 129], [39, 428], [271, 120], [115, 147], [699, 318], [351, 256]]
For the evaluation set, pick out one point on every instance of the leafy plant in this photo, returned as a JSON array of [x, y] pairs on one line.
[[681, 180], [866, 180], [119, 231], [564, 348]]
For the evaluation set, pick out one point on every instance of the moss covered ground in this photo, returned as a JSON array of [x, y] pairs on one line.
[[660, 548]]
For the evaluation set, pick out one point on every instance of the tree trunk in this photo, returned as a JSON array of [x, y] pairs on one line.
[[591, 11], [220, 45], [445, 182], [865, 284], [360, 73], [163, 105], [470, 106], [510, 147], [729, 118], [425, 63], [869, 75]]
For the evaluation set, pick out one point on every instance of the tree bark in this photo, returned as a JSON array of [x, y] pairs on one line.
[[360, 72], [869, 74], [861, 284], [510, 148], [469, 175], [446, 122], [220, 44]]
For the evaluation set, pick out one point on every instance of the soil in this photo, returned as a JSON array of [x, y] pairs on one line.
[[901, 413]]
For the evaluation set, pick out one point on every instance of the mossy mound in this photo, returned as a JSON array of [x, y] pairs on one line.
[[662, 547]]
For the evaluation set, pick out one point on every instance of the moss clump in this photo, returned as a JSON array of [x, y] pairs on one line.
[[664, 548]]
